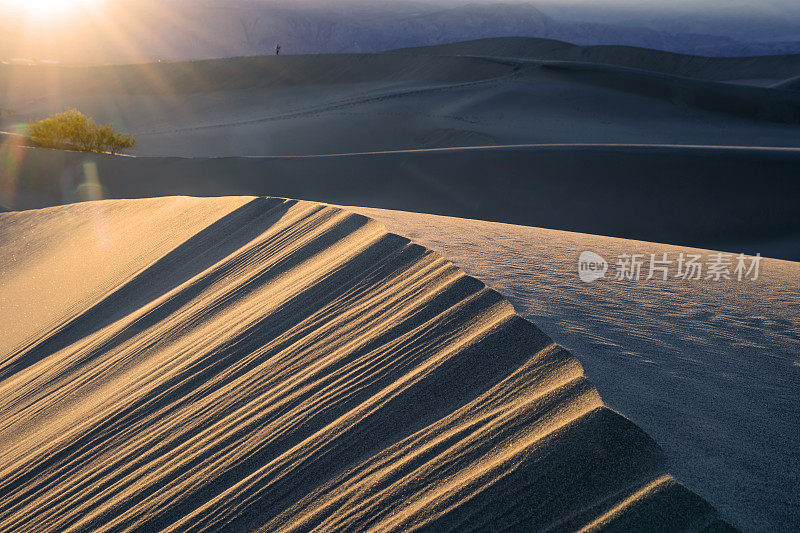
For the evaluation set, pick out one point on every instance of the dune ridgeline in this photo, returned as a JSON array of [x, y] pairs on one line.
[[248, 362], [284, 365]]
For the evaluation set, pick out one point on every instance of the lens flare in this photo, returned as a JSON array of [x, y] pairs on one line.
[[49, 8]]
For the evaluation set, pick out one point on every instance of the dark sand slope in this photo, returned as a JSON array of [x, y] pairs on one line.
[[246, 72], [778, 104], [709, 197], [792, 84], [301, 105], [285, 365], [701, 67]]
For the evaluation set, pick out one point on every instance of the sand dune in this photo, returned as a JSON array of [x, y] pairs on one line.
[[792, 84], [253, 363], [301, 105], [701, 67], [773, 103], [246, 72], [700, 366], [605, 190], [289, 366]]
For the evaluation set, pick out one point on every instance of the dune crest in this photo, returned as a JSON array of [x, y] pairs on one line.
[[693, 66], [287, 365]]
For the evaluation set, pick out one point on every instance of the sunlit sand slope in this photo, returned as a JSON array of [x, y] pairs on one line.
[[246, 363], [699, 365]]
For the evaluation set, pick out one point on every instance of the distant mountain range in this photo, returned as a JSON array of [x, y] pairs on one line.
[[144, 30]]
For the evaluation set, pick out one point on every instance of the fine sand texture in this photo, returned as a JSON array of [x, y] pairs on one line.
[[282, 365], [710, 369]]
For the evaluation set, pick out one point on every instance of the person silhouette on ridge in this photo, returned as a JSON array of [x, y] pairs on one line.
[[278, 50]]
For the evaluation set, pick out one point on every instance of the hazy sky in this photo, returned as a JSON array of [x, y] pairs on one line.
[[730, 6], [39, 29], [766, 5]]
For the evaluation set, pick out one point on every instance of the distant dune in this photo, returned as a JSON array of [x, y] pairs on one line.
[[486, 69], [289, 366], [792, 84], [703, 197], [690, 66], [244, 73], [776, 102]]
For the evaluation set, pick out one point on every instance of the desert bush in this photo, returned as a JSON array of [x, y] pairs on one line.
[[75, 131]]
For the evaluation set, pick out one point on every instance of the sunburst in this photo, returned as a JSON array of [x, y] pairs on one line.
[[50, 8]]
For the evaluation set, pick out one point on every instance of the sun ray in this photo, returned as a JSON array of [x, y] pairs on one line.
[[46, 9]]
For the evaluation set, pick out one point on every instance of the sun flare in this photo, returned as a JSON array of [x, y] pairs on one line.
[[50, 8]]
